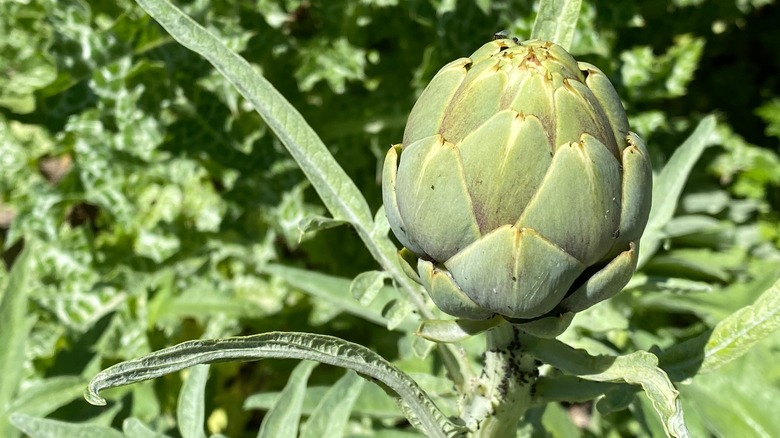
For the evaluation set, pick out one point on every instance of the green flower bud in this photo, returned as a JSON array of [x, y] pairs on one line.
[[518, 185]]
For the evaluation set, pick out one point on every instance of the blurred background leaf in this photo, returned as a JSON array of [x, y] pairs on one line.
[[159, 200]]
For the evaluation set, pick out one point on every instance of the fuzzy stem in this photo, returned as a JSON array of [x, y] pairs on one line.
[[499, 398]]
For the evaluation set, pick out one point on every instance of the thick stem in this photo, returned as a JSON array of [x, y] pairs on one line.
[[499, 398]]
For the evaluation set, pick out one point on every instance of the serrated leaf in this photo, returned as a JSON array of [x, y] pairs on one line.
[[45, 428], [415, 403], [735, 335], [285, 414], [337, 191], [339, 194], [740, 399], [556, 21], [330, 416], [190, 410], [728, 340], [422, 347], [642, 368]]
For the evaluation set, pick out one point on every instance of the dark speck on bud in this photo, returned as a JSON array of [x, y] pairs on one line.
[[503, 34]]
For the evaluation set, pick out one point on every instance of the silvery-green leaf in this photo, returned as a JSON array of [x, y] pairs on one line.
[[415, 403], [639, 368], [46, 428], [285, 414], [556, 21], [134, 428], [669, 184], [190, 410], [14, 334], [729, 339], [330, 416], [366, 286]]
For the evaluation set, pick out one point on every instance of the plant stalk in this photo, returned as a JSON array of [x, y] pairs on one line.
[[499, 398]]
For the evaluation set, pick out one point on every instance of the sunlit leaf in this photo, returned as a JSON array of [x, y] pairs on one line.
[[45, 428], [556, 21], [190, 410], [415, 403], [13, 336], [640, 368], [669, 184], [284, 416], [330, 416]]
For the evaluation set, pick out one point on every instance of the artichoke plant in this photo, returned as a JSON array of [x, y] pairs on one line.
[[518, 186]]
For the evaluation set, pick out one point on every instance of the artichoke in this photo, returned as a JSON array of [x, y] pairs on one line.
[[518, 186]]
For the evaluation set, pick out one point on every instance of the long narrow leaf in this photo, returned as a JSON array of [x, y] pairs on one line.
[[46, 396], [13, 335], [134, 428], [669, 184], [282, 345], [332, 413], [190, 411], [556, 21], [372, 402], [285, 415], [45, 428]]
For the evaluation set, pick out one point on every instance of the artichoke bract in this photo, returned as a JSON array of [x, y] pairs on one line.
[[518, 186]]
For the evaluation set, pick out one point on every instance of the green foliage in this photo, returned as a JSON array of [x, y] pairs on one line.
[[154, 206]]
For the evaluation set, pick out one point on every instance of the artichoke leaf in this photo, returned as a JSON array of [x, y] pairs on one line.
[[408, 260], [637, 192], [422, 122], [584, 181], [608, 99], [390, 201], [455, 330], [578, 112], [604, 284], [514, 272], [475, 102], [433, 200], [547, 327], [447, 295], [505, 161]]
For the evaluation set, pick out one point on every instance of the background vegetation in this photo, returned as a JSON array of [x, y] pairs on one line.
[[158, 207]]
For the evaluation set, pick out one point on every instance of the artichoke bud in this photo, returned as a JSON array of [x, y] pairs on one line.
[[518, 185]]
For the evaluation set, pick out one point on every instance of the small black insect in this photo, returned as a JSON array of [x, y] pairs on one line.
[[504, 34]]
